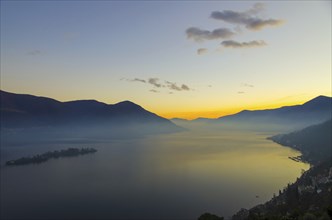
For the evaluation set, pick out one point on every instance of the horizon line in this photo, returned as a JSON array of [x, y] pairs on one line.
[[188, 118]]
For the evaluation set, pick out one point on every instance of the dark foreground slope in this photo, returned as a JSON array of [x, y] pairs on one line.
[[310, 197], [29, 115]]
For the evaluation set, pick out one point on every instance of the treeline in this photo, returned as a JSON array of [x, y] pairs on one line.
[[40, 158]]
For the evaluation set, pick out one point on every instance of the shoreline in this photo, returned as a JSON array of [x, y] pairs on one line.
[[298, 186]]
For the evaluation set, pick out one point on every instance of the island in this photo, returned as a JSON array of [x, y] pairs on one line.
[[40, 158]]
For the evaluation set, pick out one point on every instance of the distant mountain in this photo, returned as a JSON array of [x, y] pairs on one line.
[[197, 120], [314, 111], [315, 142], [203, 120], [28, 111]]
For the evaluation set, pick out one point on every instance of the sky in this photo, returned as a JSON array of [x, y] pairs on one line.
[[183, 59]]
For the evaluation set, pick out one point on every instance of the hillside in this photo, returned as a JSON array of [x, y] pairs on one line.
[[294, 117], [310, 197], [315, 142], [30, 113]]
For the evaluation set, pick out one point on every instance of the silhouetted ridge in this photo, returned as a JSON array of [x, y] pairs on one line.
[[24, 111], [127, 106], [319, 102], [314, 111], [28, 103], [85, 103]]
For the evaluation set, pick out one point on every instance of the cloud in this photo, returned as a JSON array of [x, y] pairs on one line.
[[247, 85], [139, 80], [199, 35], [250, 44], [247, 18], [185, 87], [153, 90], [240, 92], [201, 51], [258, 24], [154, 81], [34, 53], [136, 80], [174, 86], [256, 8]]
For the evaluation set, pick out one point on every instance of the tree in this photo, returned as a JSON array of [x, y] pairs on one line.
[[209, 216], [309, 216]]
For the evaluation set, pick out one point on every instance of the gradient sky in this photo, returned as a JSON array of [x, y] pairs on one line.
[[165, 56]]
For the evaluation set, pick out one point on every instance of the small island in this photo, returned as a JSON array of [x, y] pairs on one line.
[[40, 158]]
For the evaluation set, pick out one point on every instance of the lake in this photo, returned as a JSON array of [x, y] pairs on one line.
[[171, 176]]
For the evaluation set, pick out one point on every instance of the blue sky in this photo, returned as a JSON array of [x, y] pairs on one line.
[[96, 50]]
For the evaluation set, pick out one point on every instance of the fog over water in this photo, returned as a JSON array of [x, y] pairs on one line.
[[169, 176]]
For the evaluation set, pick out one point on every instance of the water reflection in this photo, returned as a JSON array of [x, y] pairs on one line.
[[175, 176]]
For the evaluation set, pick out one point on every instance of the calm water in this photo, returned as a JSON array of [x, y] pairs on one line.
[[175, 176]]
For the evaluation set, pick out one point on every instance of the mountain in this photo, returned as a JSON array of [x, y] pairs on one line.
[[315, 142], [20, 111], [314, 111]]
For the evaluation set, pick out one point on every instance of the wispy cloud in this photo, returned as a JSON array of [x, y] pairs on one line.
[[250, 44], [154, 81], [247, 85], [135, 80], [185, 87], [201, 51], [153, 90], [256, 8], [157, 83], [199, 35], [174, 86], [34, 53], [139, 80], [247, 18]]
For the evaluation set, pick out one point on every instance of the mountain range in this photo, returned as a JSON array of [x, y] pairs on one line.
[[294, 117], [28, 112]]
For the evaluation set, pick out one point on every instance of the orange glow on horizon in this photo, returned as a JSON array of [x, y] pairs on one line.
[[229, 111], [194, 115]]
